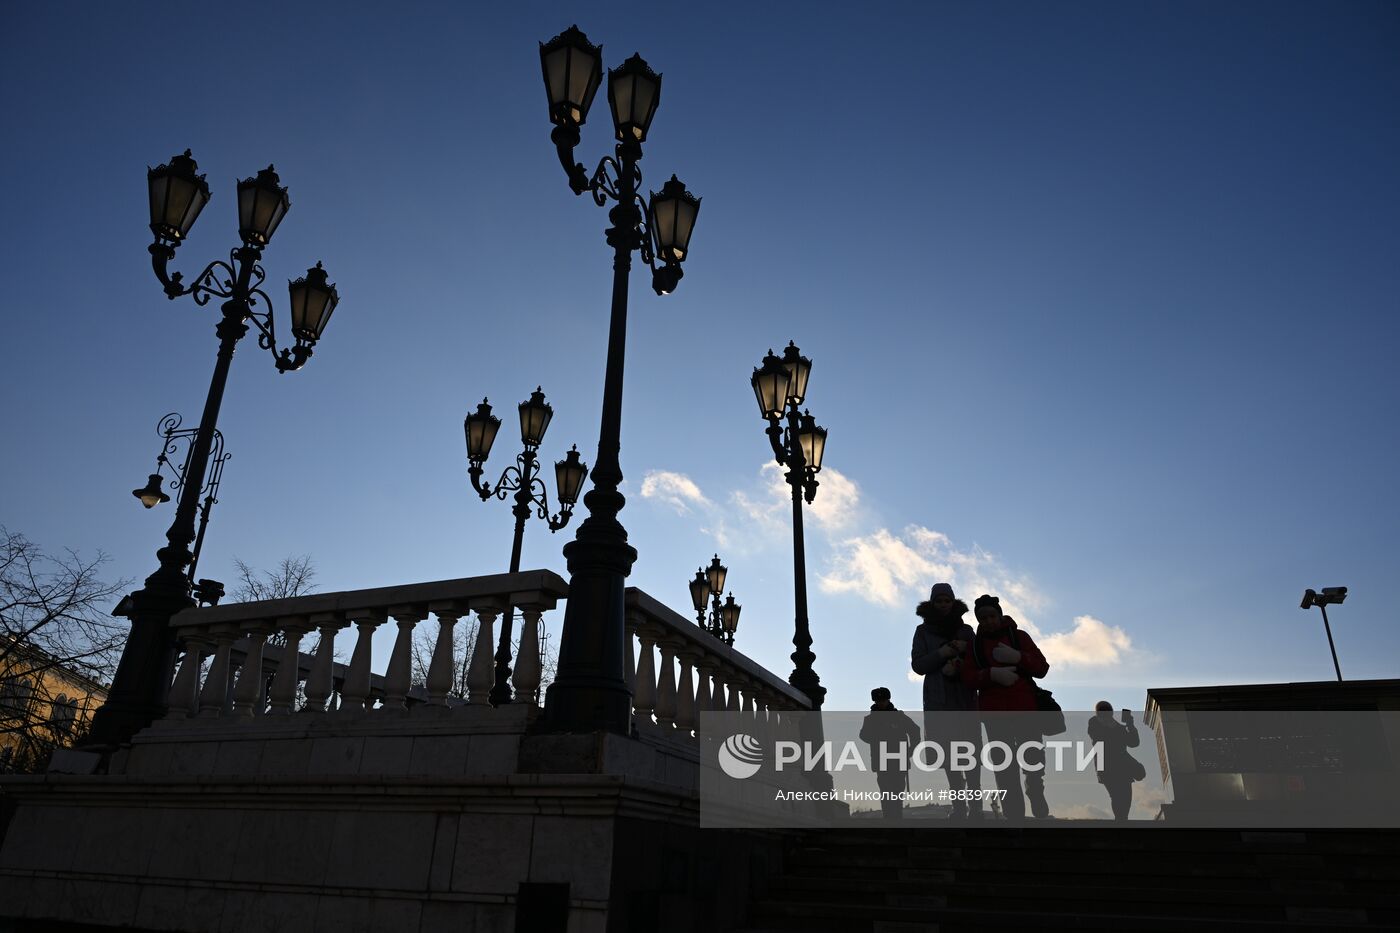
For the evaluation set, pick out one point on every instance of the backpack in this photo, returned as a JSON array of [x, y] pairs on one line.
[[1052, 718]]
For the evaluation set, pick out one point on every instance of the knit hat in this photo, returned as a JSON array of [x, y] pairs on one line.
[[880, 694], [985, 600], [940, 589]]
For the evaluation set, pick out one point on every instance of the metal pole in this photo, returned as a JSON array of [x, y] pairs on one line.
[[500, 692], [143, 675], [803, 677], [1330, 644], [590, 689], [199, 538]]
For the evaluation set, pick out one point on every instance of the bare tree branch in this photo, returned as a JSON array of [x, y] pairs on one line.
[[293, 576], [58, 647]]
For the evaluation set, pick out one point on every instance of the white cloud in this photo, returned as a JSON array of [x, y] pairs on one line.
[[836, 506], [895, 571], [914, 678], [884, 569], [1090, 643], [675, 489], [838, 500]]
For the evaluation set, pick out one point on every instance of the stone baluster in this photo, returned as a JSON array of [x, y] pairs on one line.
[[666, 684], [685, 694], [644, 696], [215, 692], [284, 684], [399, 675], [717, 701], [319, 683], [733, 704], [355, 694], [248, 693], [629, 662], [703, 703], [183, 699], [481, 677], [440, 669], [748, 700], [526, 676]]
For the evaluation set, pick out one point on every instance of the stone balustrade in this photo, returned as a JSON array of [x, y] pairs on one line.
[[226, 635], [677, 671], [230, 670]]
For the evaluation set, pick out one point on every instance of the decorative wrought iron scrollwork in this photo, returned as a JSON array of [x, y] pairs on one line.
[[511, 480], [173, 437]]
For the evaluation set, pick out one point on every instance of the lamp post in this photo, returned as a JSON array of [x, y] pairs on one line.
[[177, 196], [720, 619], [530, 494], [590, 690], [780, 385], [151, 495], [1329, 596]]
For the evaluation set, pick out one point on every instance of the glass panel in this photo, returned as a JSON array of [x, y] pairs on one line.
[[645, 105], [580, 74], [323, 312], [157, 186], [197, 201], [247, 195], [276, 210], [554, 71], [297, 294], [664, 211], [620, 93], [685, 222]]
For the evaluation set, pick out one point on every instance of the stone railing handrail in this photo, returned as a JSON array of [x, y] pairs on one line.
[[214, 631], [544, 585]]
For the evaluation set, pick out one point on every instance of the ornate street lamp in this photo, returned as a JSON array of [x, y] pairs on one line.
[[177, 196], [530, 494], [590, 691], [172, 437], [729, 617], [780, 388], [712, 615]]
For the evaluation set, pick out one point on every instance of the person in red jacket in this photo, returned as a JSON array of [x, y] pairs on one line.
[[999, 664]]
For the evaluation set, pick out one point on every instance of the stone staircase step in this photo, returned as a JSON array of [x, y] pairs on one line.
[[819, 918], [1162, 893], [971, 879]]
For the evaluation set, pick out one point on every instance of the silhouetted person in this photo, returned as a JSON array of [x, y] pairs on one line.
[[888, 727], [1120, 769], [940, 642], [1000, 664]]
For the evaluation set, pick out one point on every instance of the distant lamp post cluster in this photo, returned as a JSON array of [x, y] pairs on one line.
[[798, 442], [590, 690], [178, 194], [720, 619], [531, 494]]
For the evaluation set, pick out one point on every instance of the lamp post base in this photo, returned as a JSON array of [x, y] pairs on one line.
[[590, 693], [137, 697]]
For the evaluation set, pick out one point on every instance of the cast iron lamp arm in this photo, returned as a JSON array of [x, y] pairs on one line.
[[239, 281], [565, 139], [778, 440], [608, 183]]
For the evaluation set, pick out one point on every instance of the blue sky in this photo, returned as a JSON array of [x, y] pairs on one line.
[[1101, 298]]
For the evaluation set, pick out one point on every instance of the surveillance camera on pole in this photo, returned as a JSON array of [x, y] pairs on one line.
[[1328, 596]]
